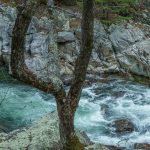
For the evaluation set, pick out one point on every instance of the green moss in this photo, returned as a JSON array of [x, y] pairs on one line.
[[74, 144]]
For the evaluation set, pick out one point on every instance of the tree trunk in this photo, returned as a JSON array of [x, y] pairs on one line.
[[68, 139], [85, 53], [67, 111], [66, 124], [66, 104], [20, 29]]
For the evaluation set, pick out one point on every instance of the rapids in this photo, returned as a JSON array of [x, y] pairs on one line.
[[100, 105]]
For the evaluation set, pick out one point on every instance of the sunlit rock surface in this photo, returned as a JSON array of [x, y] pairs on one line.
[[43, 135]]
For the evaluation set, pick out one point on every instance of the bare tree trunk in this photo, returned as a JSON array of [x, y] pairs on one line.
[[85, 53], [66, 124], [82, 62], [66, 104]]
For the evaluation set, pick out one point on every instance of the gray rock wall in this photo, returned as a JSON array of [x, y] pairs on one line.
[[54, 45]]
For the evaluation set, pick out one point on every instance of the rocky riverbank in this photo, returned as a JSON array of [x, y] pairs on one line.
[[52, 46], [44, 135]]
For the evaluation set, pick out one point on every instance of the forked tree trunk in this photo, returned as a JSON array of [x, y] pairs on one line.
[[73, 97], [66, 104]]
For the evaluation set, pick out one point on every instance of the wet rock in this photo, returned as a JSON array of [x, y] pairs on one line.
[[123, 126], [102, 147], [105, 109], [115, 148], [118, 94], [65, 37], [96, 147], [142, 146]]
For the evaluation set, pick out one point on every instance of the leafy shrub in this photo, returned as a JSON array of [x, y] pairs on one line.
[[115, 10]]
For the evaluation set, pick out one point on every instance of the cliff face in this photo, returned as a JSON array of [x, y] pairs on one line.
[[53, 43]]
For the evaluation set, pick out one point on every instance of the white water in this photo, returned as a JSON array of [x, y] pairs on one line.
[[117, 99], [99, 106]]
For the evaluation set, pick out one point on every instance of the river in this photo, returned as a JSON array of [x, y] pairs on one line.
[[100, 105]]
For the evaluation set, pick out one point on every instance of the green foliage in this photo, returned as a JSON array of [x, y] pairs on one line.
[[115, 10], [116, 1]]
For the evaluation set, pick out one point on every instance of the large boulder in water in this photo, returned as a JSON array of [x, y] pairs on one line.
[[123, 126], [142, 146]]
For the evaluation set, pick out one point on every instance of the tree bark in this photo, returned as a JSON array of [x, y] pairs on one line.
[[66, 104], [19, 69], [85, 53], [73, 97]]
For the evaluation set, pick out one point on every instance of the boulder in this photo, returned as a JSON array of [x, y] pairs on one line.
[[44, 134], [142, 146], [123, 126], [96, 147], [102, 147], [65, 36], [137, 58], [131, 46], [115, 148], [124, 35]]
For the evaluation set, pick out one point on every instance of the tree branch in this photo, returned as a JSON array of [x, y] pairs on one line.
[[85, 53], [45, 82]]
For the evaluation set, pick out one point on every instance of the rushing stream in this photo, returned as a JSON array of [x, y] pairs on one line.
[[100, 105]]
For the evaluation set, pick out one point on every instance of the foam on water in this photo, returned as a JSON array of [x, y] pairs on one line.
[[114, 100]]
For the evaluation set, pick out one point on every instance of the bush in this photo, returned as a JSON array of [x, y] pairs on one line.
[[115, 10]]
